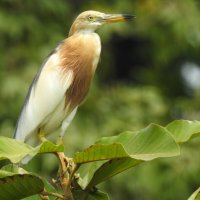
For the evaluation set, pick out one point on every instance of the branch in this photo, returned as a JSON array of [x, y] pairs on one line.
[[44, 193], [65, 175]]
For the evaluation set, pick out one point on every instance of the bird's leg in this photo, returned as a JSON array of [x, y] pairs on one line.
[[41, 135], [59, 140]]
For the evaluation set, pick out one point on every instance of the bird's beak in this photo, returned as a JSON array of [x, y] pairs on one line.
[[112, 18]]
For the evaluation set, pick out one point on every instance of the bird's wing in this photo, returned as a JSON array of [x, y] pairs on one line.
[[45, 93]]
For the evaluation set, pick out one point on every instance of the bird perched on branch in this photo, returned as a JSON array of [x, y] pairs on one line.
[[64, 79]]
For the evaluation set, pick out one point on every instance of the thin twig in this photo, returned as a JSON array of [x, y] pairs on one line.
[[44, 196], [52, 194]]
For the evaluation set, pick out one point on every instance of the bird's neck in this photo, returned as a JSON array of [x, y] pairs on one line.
[[80, 54], [75, 29], [81, 49], [82, 31], [92, 45]]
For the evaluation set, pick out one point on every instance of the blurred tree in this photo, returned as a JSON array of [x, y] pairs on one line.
[[139, 79]]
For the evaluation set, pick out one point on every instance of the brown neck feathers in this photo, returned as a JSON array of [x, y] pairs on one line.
[[77, 56]]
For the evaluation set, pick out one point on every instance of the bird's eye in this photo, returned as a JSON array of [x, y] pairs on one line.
[[91, 18]]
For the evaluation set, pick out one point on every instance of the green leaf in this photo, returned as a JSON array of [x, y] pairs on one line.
[[13, 150], [183, 130], [119, 153], [15, 169], [123, 152], [87, 171], [152, 142], [16, 151], [98, 172], [92, 195], [100, 152], [111, 168], [49, 147], [4, 173], [12, 169], [48, 187], [195, 195], [146, 144], [35, 197], [18, 186]]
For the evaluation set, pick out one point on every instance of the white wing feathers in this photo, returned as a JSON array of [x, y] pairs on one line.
[[45, 95]]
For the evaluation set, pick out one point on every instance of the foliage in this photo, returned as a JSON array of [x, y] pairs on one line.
[[195, 195], [138, 81], [106, 158], [18, 186]]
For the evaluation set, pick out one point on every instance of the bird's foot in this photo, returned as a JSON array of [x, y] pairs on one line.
[[41, 135]]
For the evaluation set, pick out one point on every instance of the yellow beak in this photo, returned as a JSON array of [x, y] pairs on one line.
[[112, 18]]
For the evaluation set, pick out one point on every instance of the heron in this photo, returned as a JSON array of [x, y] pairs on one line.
[[64, 79]]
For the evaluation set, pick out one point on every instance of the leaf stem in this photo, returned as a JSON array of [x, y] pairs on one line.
[[52, 194], [43, 196]]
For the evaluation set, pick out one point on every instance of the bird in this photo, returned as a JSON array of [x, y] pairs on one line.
[[63, 80]]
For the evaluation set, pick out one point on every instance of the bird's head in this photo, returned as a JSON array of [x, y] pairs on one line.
[[89, 21]]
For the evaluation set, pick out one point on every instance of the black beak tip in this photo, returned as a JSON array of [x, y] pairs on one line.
[[128, 17]]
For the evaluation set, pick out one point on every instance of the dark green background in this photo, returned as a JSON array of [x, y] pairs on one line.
[[149, 72]]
